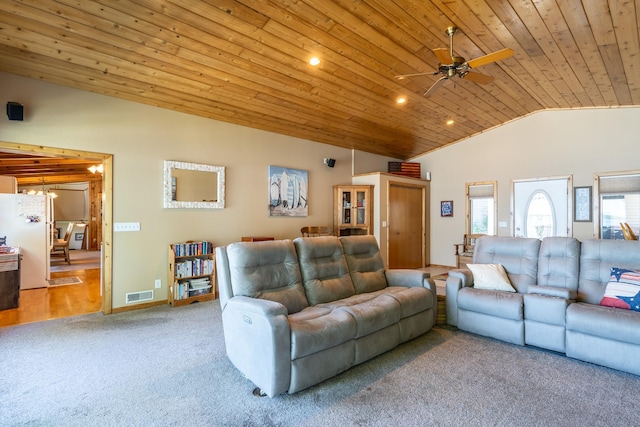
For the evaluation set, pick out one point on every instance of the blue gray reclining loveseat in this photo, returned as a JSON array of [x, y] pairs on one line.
[[557, 304], [296, 313]]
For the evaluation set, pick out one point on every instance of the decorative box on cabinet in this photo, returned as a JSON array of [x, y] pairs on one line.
[[352, 209], [192, 275]]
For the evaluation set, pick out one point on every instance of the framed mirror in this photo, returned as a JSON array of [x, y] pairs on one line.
[[193, 186]]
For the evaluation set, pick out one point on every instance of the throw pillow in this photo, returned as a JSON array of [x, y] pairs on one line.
[[623, 289], [491, 277]]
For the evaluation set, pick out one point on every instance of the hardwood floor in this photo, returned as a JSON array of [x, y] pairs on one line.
[[37, 305], [58, 301]]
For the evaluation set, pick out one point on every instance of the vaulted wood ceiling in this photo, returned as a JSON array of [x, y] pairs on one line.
[[246, 61]]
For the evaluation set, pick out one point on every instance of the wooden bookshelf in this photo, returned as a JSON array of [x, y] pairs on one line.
[[192, 274]]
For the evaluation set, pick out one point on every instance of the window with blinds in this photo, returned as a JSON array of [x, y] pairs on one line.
[[619, 197], [481, 209]]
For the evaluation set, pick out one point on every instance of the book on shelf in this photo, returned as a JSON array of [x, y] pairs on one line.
[[192, 248], [203, 282], [199, 286], [194, 267]]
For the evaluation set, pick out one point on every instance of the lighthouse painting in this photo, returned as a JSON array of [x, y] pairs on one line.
[[288, 189]]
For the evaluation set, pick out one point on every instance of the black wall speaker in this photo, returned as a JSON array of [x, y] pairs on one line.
[[330, 162], [15, 111]]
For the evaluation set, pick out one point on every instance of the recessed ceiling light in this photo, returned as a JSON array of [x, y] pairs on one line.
[[450, 122], [314, 61], [401, 100]]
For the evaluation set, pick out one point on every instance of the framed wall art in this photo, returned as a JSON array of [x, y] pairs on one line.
[[446, 208], [582, 204], [288, 191]]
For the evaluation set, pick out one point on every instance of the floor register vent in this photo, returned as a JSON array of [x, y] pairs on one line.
[[139, 296]]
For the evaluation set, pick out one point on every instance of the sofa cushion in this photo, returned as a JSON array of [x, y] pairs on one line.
[[365, 263], [545, 309], [324, 269], [507, 305], [267, 270], [623, 289], [374, 315], [491, 277], [597, 256], [412, 300], [606, 322], [315, 329], [518, 256], [559, 262]]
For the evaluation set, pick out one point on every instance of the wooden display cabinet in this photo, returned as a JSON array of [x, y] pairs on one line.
[[352, 210], [192, 274]]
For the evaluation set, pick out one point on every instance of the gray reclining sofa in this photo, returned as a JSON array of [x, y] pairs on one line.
[[296, 313], [559, 284]]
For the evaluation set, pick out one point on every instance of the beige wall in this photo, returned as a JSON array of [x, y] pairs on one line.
[[140, 137], [380, 183], [545, 144]]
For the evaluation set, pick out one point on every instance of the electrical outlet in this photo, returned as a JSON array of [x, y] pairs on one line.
[[158, 283]]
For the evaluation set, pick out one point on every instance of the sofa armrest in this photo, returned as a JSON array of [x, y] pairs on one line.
[[552, 291], [465, 276], [414, 278], [456, 280], [251, 323], [406, 277]]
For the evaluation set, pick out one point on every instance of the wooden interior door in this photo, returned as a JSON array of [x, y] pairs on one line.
[[405, 228]]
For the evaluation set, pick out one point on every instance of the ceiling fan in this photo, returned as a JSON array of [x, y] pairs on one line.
[[452, 66]]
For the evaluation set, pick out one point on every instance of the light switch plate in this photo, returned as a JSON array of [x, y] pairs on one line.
[[126, 226]]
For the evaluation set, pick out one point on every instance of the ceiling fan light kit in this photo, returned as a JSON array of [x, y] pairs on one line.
[[451, 66]]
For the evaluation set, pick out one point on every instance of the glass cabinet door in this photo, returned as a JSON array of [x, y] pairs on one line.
[[361, 208], [346, 207], [352, 210]]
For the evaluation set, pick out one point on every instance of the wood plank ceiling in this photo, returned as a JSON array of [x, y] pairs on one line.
[[36, 170], [246, 61]]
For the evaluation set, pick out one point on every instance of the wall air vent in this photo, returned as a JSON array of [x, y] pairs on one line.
[[139, 296]]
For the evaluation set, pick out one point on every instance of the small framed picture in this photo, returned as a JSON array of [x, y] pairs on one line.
[[446, 208], [582, 204]]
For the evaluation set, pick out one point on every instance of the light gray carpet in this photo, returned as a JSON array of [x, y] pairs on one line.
[[167, 366]]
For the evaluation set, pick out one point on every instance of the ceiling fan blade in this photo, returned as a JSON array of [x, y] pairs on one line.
[[483, 79], [435, 86], [404, 76], [492, 57], [443, 55]]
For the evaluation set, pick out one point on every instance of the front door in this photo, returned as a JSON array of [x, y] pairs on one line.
[[541, 208], [405, 227]]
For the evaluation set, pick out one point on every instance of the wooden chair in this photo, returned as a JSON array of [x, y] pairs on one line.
[[316, 231], [60, 247], [464, 250], [628, 232]]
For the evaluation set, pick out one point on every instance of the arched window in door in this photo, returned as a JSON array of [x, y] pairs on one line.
[[540, 221]]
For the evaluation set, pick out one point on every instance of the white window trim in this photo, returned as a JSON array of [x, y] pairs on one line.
[[467, 219], [569, 179], [596, 196]]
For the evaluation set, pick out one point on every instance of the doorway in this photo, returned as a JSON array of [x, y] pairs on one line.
[[405, 231], [541, 207], [105, 275]]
